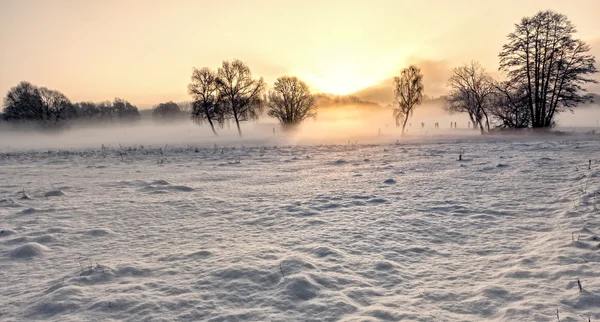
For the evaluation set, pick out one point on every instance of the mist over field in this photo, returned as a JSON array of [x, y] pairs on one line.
[[334, 125], [299, 160]]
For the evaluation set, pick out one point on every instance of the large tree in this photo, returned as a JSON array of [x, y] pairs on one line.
[[23, 103], [471, 90], [27, 102], [125, 110], [88, 110], [208, 98], [242, 95], [408, 90], [552, 66], [291, 102], [168, 110], [57, 106], [509, 105]]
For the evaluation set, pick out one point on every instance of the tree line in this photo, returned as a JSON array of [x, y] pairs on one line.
[[29, 103], [545, 70]]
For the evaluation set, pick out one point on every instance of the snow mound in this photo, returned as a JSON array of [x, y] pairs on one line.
[[98, 232], [54, 193], [182, 188], [295, 265], [5, 232], [300, 288], [44, 239], [163, 187], [247, 277], [27, 211], [29, 250], [324, 251], [384, 266], [99, 273], [338, 162], [62, 300]]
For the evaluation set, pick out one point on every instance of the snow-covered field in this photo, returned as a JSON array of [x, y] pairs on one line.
[[361, 232]]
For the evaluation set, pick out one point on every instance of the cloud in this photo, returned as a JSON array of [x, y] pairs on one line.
[[435, 76]]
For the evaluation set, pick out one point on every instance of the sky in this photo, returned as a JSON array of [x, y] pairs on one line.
[[144, 50]]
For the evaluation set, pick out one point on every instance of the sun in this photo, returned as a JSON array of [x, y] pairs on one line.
[[340, 79]]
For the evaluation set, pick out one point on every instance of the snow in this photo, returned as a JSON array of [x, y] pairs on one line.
[[374, 231]]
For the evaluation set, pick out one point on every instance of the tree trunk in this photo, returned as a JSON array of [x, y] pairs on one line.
[[212, 127], [237, 122], [472, 117], [404, 124], [487, 120]]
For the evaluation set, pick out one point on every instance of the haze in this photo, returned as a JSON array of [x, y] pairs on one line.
[[144, 51]]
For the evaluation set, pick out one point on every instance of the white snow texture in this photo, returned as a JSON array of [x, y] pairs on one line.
[[375, 232]]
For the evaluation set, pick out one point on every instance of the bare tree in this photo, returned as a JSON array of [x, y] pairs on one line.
[[106, 110], [27, 102], [23, 103], [87, 110], [57, 107], [471, 90], [554, 67], [509, 106], [169, 110], [125, 110], [291, 102], [408, 90], [208, 98], [242, 95]]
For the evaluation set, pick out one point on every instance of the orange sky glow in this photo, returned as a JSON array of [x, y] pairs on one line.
[[144, 51]]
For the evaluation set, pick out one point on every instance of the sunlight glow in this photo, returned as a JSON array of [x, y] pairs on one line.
[[342, 78]]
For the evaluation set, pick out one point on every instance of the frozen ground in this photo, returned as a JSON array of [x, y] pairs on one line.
[[296, 233]]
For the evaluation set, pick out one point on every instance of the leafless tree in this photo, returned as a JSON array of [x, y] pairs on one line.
[[542, 55], [23, 103], [166, 111], [408, 90], [27, 102], [125, 110], [242, 95], [208, 98], [471, 90], [291, 102], [88, 110], [509, 106], [56, 106]]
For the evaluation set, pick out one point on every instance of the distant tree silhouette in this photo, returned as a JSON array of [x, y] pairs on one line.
[[125, 110], [208, 105], [291, 102], [27, 102], [549, 64], [106, 110], [471, 91], [88, 111], [408, 90], [242, 95], [168, 110]]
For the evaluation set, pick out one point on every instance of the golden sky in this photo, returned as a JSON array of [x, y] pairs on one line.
[[144, 50]]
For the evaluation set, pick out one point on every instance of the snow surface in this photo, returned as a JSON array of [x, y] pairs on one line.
[[354, 232]]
